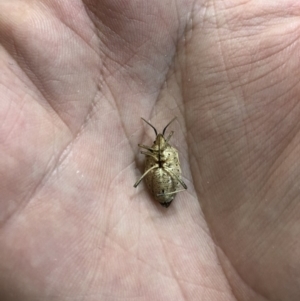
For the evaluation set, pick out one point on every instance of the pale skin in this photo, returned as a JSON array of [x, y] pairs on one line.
[[75, 79]]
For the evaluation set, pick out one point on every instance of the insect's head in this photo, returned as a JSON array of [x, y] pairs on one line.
[[160, 140]]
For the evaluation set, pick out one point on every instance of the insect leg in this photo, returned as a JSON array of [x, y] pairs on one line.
[[173, 192], [141, 178], [147, 147], [149, 154], [169, 137], [176, 177]]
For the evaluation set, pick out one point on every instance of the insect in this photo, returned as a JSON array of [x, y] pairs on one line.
[[162, 168]]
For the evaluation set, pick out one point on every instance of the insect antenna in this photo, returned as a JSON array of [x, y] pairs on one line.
[[151, 125], [159, 153], [168, 125]]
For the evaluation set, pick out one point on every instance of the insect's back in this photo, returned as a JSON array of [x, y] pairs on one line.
[[160, 181]]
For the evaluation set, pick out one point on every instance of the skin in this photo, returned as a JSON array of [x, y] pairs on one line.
[[75, 79]]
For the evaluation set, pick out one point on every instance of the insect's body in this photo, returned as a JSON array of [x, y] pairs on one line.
[[162, 169]]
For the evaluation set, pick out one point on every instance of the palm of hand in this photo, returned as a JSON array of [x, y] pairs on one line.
[[72, 92]]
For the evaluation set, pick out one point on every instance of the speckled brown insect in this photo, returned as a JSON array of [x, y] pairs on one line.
[[162, 168]]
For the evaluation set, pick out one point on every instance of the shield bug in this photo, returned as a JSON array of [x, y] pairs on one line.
[[162, 168]]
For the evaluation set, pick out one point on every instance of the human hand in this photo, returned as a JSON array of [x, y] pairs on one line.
[[76, 78]]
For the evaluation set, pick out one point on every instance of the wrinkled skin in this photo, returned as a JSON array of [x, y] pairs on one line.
[[75, 79]]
